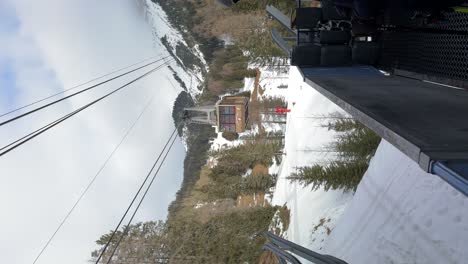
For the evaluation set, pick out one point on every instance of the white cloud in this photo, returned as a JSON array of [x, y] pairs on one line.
[[55, 45]]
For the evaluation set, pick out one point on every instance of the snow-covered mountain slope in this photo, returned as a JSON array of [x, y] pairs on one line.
[[168, 38], [192, 78]]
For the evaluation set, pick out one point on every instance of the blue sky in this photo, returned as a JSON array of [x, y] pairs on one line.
[[9, 21], [21, 55], [9, 25], [7, 83]]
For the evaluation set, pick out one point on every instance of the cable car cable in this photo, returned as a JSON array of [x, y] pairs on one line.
[[32, 135], [94, 179], [77, 93], [141, 201], [136, 195], [41, 130], [37, 131], [74, 87]]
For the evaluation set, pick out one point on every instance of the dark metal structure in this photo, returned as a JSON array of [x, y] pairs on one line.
[[286, 252], [425, 121], [420, 107]]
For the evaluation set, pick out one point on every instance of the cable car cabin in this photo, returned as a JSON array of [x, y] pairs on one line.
[[232, 113]]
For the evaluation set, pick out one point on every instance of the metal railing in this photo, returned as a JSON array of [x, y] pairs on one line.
[[284, 250]]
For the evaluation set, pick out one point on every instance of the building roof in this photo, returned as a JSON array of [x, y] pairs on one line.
[[234, 100]]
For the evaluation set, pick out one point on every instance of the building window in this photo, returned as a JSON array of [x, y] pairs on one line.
[[228, 110], [227, 118]]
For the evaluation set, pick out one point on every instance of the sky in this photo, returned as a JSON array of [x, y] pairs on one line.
[[48, 46]]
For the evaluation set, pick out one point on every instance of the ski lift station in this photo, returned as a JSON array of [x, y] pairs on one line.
[[401, 75], [230, 114]]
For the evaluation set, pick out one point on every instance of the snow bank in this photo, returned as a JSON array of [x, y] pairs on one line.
[[274, 82], [249, 85], [220, 142], [401, 214]]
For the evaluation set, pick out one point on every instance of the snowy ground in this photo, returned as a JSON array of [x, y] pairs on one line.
[[399, 214], [313, 213], [274, 81]]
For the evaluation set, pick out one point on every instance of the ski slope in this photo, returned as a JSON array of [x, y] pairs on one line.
[[399, 213], [305, 141]]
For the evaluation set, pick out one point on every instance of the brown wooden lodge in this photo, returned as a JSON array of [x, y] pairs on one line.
[[232, 113]]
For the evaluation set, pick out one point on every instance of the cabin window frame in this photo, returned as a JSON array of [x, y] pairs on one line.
[[227, 118]]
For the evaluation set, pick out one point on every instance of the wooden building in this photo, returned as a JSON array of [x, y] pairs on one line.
[[232, 113]]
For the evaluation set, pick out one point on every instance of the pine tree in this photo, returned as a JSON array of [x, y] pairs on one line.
[[143, 242], [344, 125], [357, 144], [337, 175], [257, 183], [313, 175]]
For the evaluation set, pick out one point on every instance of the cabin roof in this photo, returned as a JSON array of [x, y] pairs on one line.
[[234, 100]]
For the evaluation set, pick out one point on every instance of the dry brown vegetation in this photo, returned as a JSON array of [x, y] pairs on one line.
[[251, 200], [259, 169], [254, 105], [204, 211], [321, 223], [268, 257], [217, 20]]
